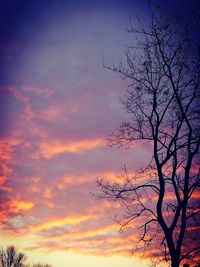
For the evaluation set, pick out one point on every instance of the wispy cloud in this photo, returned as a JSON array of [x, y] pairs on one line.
[[57, 147]]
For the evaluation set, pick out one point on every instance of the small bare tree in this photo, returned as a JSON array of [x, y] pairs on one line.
[[163, 104], [11, 258]]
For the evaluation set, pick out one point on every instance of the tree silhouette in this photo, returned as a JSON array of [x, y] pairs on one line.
[[11, 258], [162, 101]]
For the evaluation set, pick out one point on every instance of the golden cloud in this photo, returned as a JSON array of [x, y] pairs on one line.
[[19, 205]]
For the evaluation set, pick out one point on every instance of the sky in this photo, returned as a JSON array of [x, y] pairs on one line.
[[57, 107]]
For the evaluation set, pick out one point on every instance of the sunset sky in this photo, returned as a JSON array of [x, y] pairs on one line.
[[57, 107]]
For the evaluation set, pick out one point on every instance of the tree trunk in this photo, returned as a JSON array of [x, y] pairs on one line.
[[175, 261]]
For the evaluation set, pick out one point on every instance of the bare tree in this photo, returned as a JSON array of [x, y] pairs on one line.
[[162, 101], [11, 258]]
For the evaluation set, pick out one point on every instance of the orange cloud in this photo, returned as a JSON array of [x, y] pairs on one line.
[[77, 233], [52, 113], [19, 205], [3, 179], [49, 150], [35, 184], [70, 179], [47, 192], [103, 241], [59, 222]]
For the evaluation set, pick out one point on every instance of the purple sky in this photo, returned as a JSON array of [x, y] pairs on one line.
[[57, 107]]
